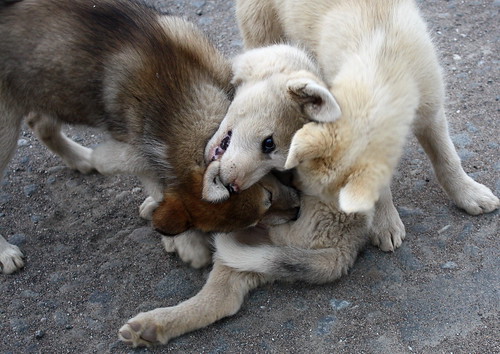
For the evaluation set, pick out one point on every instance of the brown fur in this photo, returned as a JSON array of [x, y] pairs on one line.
[[154, 83]]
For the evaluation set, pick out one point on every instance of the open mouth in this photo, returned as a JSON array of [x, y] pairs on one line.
[[219, 150]]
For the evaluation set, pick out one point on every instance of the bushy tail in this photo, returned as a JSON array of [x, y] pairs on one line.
[[286, 262]]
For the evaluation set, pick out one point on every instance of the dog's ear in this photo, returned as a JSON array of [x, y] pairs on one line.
[[213, 189], [307, 144], [315, 99], [171, 217]]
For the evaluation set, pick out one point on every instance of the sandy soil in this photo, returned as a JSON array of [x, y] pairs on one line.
[[92, 263]]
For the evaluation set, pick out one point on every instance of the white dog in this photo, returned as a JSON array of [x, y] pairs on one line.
[[376, 69]]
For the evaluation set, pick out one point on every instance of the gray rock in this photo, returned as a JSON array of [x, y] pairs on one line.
[[449, 265], [18, 239], [339, 304], [30, 189]]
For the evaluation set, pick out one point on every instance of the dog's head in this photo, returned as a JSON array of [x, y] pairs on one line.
[[184, 208], [278, 90]]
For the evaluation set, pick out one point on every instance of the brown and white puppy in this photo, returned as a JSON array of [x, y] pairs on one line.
[[379, 76], [155, 84]]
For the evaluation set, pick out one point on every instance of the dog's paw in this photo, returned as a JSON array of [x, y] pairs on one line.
[[387, 230], [11, 257], [191, 246], [147, 208], [304, 145], [80, 159], [143, 330], [476, 198]]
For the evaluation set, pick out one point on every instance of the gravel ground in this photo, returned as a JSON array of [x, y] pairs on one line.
[[92, 263]]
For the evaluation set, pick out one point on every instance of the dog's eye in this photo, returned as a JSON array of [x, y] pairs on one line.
[[268, 145]]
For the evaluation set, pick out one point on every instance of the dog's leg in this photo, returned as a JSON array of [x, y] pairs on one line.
[[258, 23], [387, 230], [192, 246], [114, 158], [155, 191], [48, 130], [220, 297], [432, 133], [10, 125], [11, 258]]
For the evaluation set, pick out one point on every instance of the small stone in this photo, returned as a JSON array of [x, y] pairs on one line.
[[339, 304], [440, 231], [55, 169], [22, 142], [51, 180], [122, 196], [449, 265], [39, 334], [35, 218], [18, 239], [30, 189]]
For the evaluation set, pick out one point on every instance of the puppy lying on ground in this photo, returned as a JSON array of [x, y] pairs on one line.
[[380, 77], [155, 84]]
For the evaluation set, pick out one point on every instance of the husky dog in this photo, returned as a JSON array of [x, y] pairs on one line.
[[155, 84], [376, 69], [342, 122]]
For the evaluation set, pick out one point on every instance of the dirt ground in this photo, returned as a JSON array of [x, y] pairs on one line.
[[92, 263]]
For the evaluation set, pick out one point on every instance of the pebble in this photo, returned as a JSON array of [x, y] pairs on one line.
[[325, 325], [39, 334], [449, 265], [51, 180], [339, 304], [4, 198], [30, 189], [22, 142], [18, 239], [55, 169]]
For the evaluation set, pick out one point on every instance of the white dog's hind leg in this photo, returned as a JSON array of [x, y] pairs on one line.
[[11, 258], [221, 296], [192, 246], [387, 230], [473, 197], [48, 130]]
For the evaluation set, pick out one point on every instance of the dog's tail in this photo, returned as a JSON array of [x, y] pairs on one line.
[[286, 262]]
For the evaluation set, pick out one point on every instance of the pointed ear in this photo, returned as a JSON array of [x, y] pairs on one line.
[[306, 144], [171, 217], [213, 189], [315, 99]]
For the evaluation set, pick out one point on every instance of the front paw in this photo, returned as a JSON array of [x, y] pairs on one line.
[[11, 257], [476, 198], [147, 208], [142, 331], [387, 231]]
